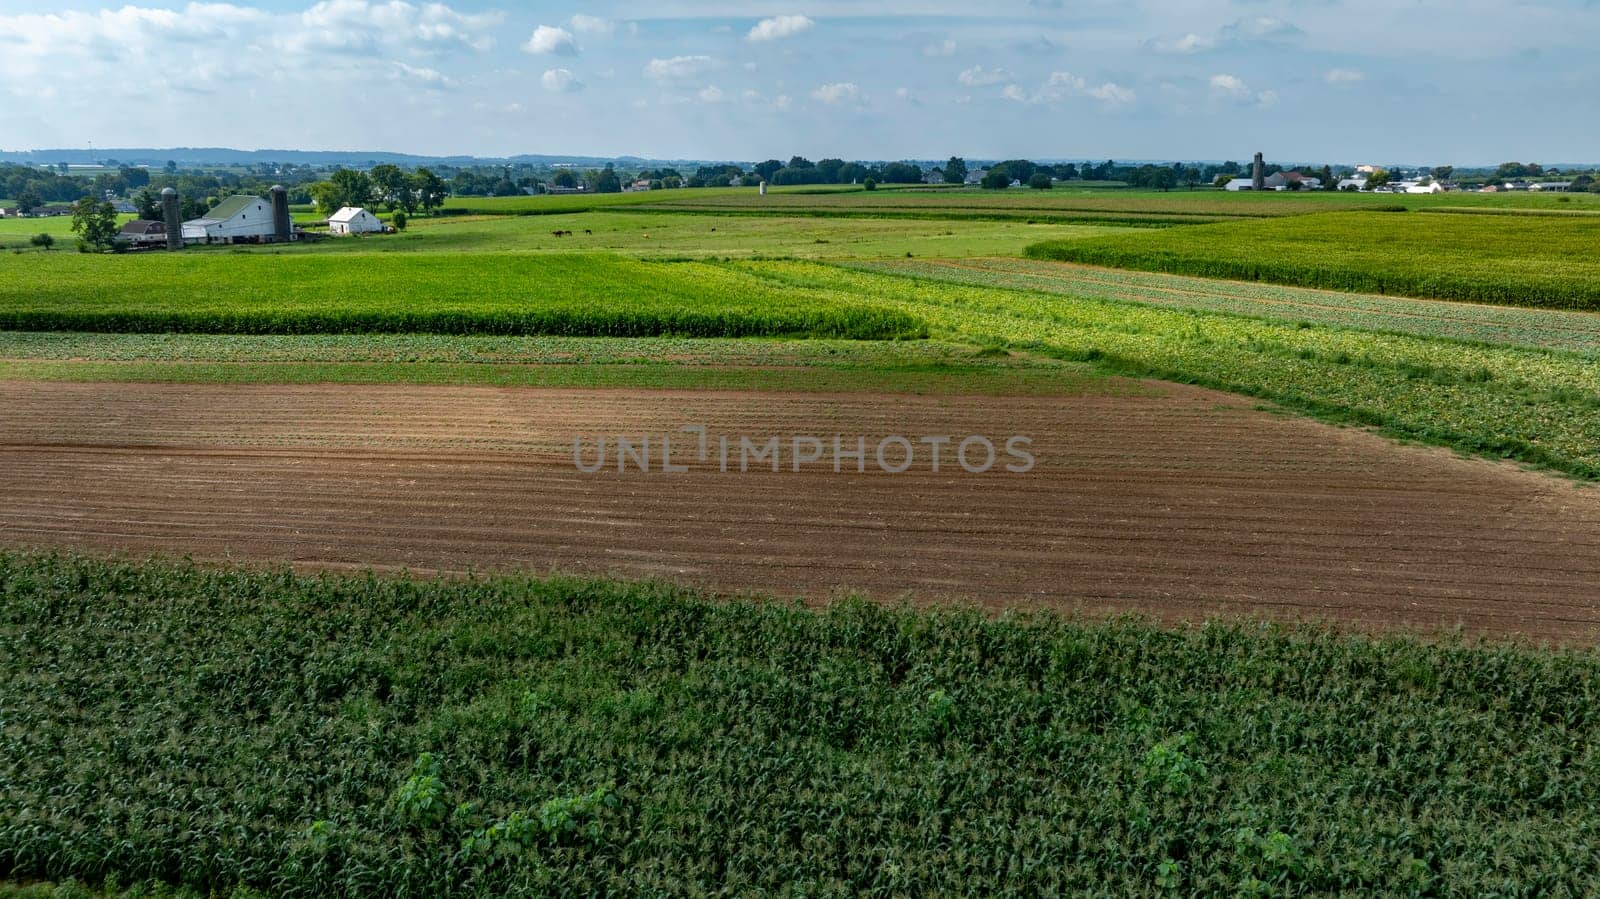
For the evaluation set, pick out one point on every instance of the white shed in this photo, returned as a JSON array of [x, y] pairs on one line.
[[234, 219], [354, 220]]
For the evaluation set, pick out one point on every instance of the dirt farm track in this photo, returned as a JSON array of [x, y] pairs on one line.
[[1177, 502]]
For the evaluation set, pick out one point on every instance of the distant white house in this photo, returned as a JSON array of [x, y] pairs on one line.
[[1417, 187], [354, 220], [1239, 184], [238, 218]]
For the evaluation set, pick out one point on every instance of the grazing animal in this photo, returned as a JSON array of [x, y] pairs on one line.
[[555, 233], [587, 231]]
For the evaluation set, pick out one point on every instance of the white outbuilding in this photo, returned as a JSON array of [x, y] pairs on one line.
[[354, 220], [237, 219]]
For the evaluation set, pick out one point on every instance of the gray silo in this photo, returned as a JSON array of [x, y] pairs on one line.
[[172, 218], [280, 213], [1258, 174]]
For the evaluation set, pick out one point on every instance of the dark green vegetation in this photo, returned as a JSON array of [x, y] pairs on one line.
[[368, 737], [250, 293], [1518, 260]]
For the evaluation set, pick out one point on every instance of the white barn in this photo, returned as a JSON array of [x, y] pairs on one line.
[[354, 220], [234, 219]]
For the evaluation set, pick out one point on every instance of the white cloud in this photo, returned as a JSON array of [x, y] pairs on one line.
[[943, 48], [583, 24], [1183, 46], [423, 75], [711, 94], [1061, 85], [550, 39], [779, 27], [782, 101], [679, 67], [560, 81], [978, 76], [838, 92], [1014, 92], [1233, 89], [1344, 76]]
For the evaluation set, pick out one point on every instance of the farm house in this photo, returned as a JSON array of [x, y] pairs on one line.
[[354, 220], [143, 232]]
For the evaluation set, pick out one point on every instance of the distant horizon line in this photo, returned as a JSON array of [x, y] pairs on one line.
[[144, 155]]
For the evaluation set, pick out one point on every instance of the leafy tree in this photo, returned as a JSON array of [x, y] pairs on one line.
[[27, 201], [607, 182], [1039, 181], [95, 222], [1378, 178], [43, 240], [765, 169], [955, 170], [1443, 172], [1019, 169], [394, 189], [829, 170], [1583, 182], [996, 178], [800, 162], [134, 177], [149, 204], [345, 187], [399, 220], [870, 184], [429, 189], [564, 178], [1221, 180], [171, 167]]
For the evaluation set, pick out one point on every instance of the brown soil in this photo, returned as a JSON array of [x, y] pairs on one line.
[[1180, 503]]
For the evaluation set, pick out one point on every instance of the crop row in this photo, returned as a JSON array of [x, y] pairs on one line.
[[583, 295], [358, 737], [1535, 406], [1548, 328], [1542, 261]]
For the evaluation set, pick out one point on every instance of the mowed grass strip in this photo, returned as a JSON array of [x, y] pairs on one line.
[[1530, 405], [1541, 261], [367, 737], [1547, 328], [249, 293]]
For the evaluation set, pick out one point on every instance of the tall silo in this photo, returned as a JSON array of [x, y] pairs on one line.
[[1258, 174], [280, 213], [172, 218]]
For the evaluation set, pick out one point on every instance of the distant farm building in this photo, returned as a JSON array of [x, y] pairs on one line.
[[238, 219], [143, 232], [354, 220]]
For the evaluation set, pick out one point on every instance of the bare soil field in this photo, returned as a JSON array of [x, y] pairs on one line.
[[1171, 501]]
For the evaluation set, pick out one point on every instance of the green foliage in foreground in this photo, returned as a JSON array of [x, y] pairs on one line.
[[1514, 260], [1541, 407], [248, 293], [367, 737]]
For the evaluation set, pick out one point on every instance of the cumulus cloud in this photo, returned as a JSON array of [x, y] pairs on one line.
[[711, 94], [1253, 30], [941, 48], [560, 81], [1344, 76], [1233, 89], [1014, 92], [779, 27], [978, 76], [838, 92], [550, 39], [1185, 45], [584, 24], [1061, 85], [679, 67]]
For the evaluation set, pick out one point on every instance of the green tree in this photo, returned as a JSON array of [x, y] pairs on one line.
[[870, 184], [955, 170], [607, 182], [43, 240], [393, 187], [399, 220], [95, 222], [345, 187], [429, 189], [996, 178], [1039, 181], [1443, 172], [1019, 169], [149, 204], [27, 201], [564, 178], [1378, 178]]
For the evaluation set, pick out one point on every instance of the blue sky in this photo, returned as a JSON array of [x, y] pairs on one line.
[[1415, 81]]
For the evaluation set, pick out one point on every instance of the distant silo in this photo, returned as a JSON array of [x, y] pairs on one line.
[[172, 218], [1258, 174], [280, 213], [763, 187]]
